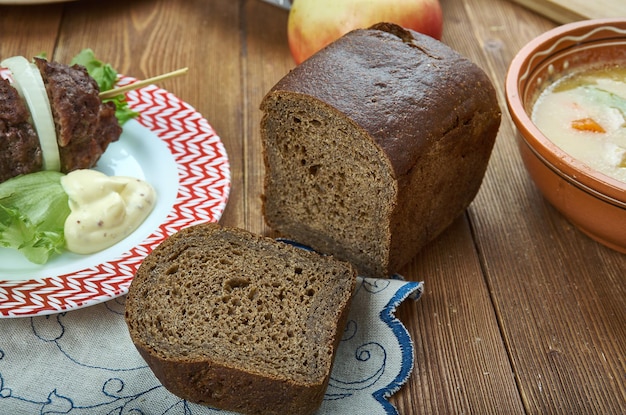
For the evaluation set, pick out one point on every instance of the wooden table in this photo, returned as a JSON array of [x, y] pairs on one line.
[[521, 314]]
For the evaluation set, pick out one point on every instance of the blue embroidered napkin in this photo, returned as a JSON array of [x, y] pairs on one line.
[[83, 362]]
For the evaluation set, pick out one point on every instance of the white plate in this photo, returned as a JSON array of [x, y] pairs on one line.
[[173, 148]]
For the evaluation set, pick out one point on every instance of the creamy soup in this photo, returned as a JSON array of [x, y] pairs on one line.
[[585, 115]]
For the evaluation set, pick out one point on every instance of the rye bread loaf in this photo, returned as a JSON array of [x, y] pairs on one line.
[[240, 322], [375, 144]]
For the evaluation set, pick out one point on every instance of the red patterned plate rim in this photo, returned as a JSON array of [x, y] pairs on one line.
[[203, 190]]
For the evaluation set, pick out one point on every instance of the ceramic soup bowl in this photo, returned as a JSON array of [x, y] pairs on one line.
[[593, 201]]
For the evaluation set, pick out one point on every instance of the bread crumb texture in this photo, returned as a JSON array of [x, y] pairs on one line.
[[252, 306], [327, 182]]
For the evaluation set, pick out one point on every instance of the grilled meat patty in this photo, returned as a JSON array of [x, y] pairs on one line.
[[85, 126]]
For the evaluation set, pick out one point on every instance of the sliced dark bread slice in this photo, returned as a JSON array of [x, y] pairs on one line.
[[239, 321]]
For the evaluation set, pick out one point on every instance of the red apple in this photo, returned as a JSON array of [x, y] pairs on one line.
[[313, 24]]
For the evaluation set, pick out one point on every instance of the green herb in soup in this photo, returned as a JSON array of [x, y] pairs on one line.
[[585, 115]]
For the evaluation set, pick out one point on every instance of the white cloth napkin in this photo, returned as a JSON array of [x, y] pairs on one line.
[[83, 361]]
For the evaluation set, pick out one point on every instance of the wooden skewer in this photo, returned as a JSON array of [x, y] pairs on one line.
[[139, 84]]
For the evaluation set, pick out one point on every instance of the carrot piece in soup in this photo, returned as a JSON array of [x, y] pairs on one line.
[[588, 124]]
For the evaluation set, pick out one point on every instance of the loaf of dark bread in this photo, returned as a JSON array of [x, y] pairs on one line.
[[375, 144], [238, 321]]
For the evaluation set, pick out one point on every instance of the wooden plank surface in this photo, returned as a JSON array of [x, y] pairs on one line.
[[522, 313], [26, 40], [461, 361], [564, 331], [566, 11]]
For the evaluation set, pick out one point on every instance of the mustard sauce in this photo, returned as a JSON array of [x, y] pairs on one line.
[[104, 209]]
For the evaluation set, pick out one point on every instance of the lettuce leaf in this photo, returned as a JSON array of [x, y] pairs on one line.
[[33, 210], [106, 77]]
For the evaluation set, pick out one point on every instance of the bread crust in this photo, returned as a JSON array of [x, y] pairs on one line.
[[432, 113]]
